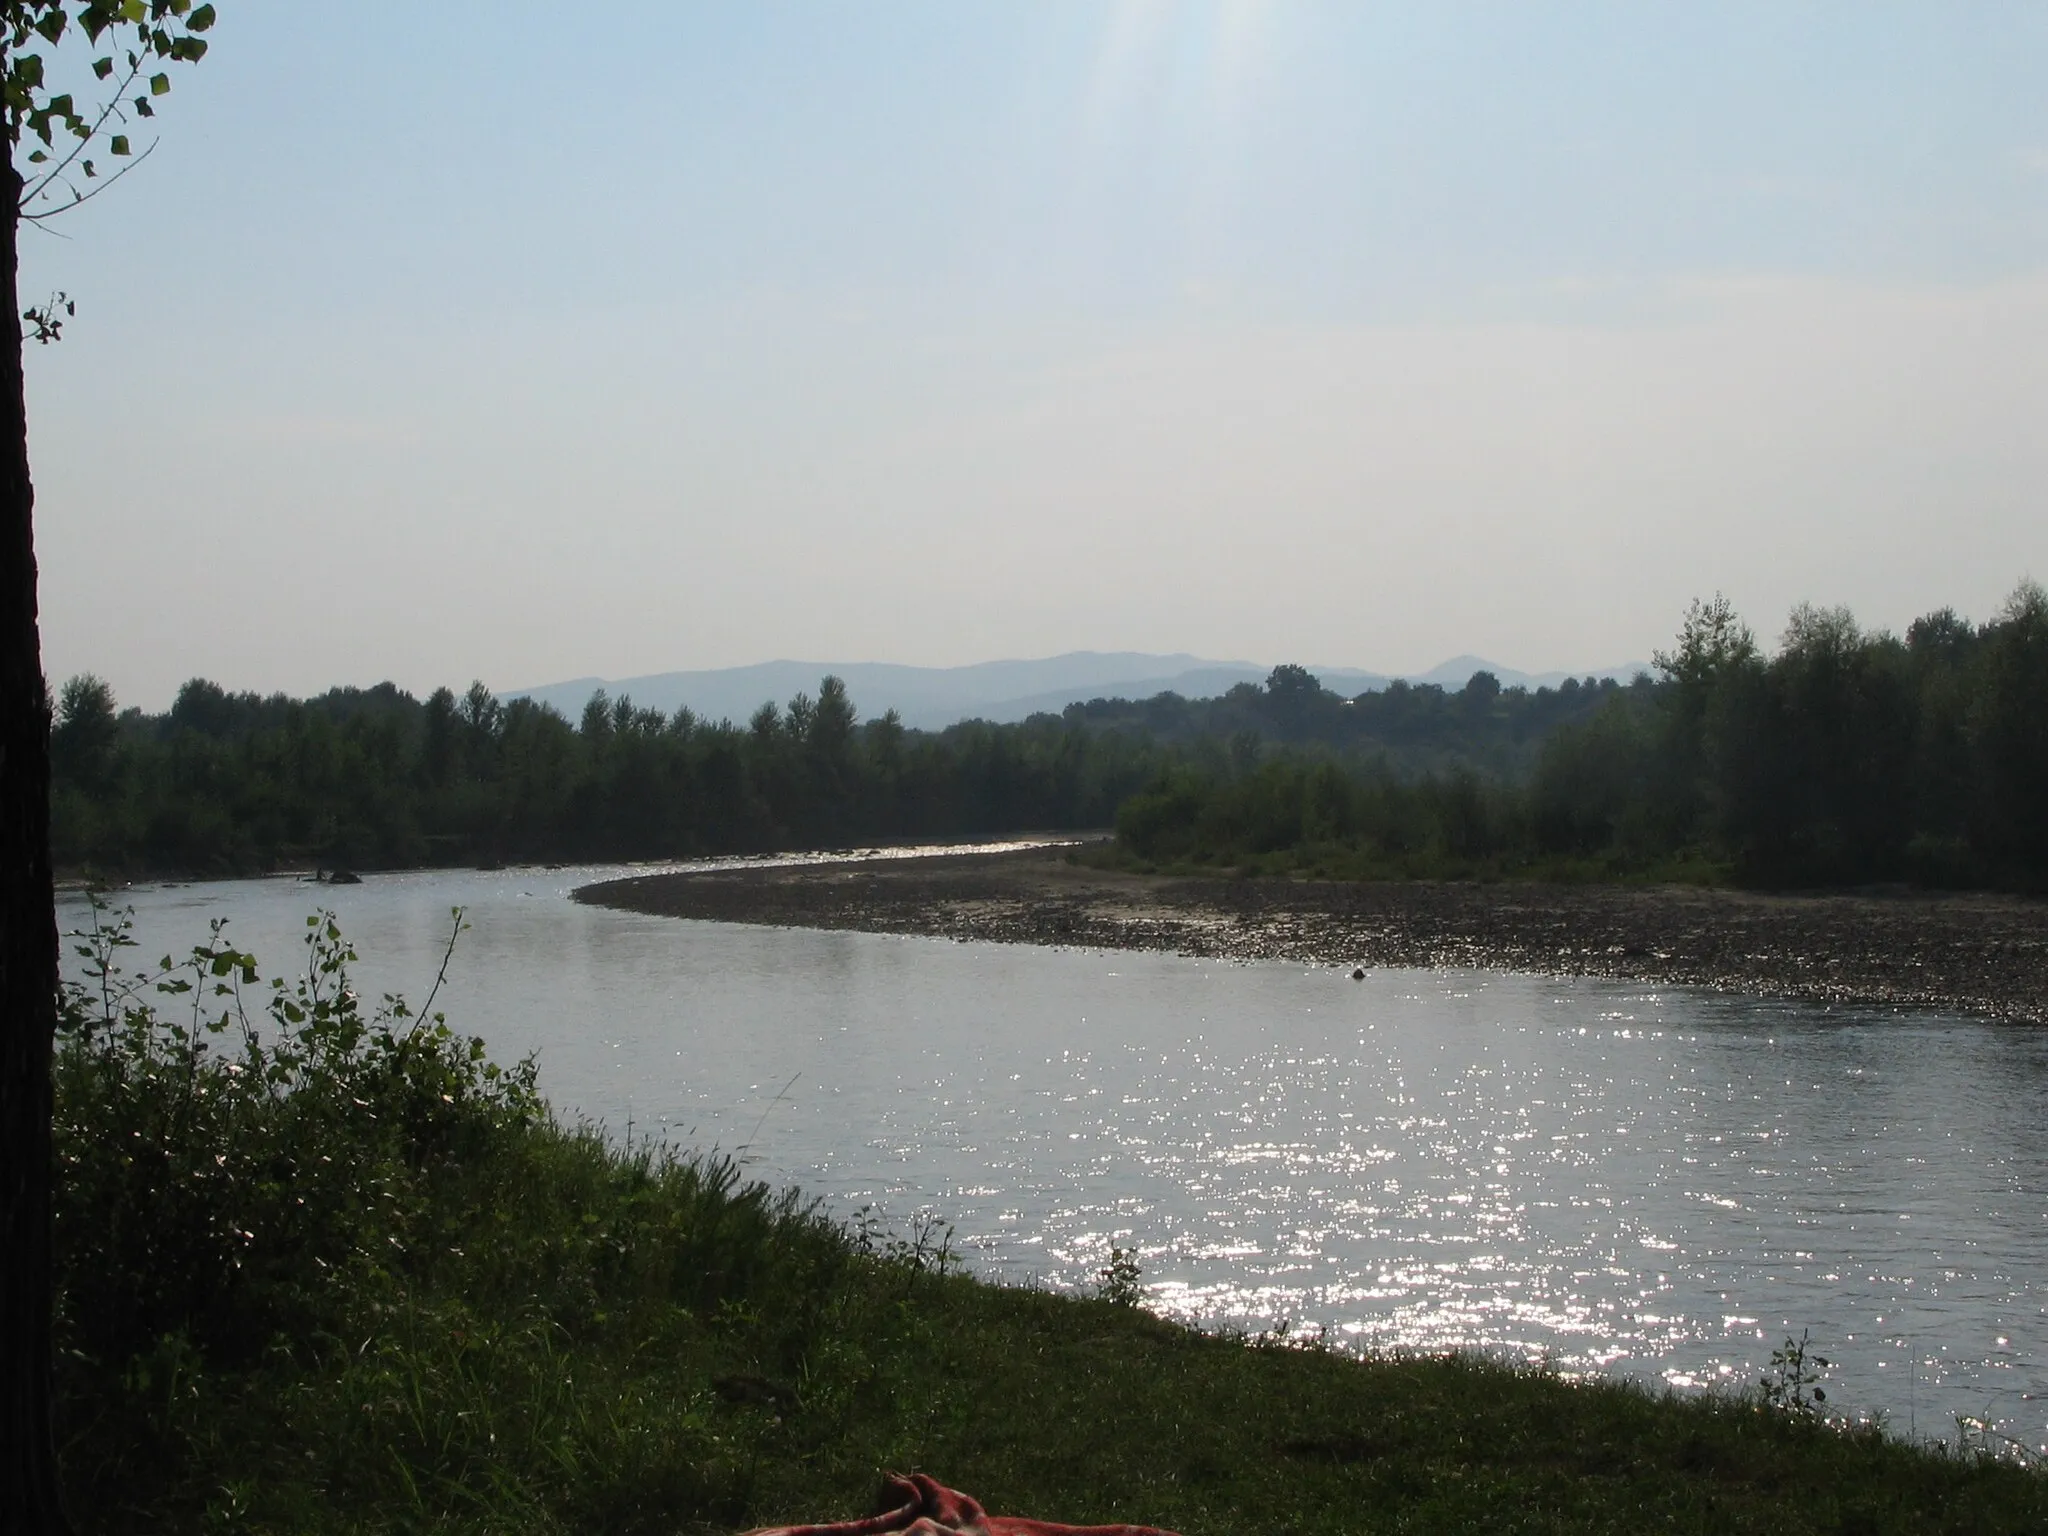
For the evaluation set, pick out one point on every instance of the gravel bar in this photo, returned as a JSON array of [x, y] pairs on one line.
[[1967, 953]]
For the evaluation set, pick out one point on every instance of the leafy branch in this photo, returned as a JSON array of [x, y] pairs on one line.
[[60, 127], [46, 320]]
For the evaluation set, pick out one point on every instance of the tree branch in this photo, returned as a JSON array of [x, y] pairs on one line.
[[85, 197], [38, 187]]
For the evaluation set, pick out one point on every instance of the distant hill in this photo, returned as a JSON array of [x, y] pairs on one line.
[[927, 697], [931, 698]]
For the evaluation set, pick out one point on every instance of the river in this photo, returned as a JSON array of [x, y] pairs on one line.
[[1663, 1184]]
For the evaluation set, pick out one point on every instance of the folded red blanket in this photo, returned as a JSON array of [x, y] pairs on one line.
[[920, 1507]]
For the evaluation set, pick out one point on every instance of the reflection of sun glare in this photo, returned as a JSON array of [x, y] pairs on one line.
[[1131, 32], [1182, 56], [1168, 95]]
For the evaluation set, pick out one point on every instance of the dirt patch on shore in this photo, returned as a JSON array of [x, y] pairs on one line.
[[1962, 953]]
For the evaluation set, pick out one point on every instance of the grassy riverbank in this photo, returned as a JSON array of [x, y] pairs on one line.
[[351, 1277]]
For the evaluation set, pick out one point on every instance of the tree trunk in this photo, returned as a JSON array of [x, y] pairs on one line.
[[29, 1501]]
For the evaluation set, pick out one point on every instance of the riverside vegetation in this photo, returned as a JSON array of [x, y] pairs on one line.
[[234, 783], [1849, 756], [327, 1268]]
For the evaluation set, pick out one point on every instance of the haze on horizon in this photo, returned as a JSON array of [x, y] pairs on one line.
[[448, 342]]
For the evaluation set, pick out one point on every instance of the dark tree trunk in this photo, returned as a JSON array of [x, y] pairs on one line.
[[29, 1501]]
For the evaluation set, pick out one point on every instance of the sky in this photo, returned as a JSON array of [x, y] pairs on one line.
[[519, 342]]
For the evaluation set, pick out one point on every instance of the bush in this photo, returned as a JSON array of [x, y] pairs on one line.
[[254, 1161], [335, 1253]]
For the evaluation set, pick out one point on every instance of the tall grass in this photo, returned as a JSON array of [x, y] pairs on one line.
[[326, 1268]]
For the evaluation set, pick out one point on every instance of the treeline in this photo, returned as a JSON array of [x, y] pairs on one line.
[[1409, 729], [375, 778], [1848, 756]]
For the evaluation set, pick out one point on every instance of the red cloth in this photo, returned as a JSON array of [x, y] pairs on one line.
[[927, 1508]]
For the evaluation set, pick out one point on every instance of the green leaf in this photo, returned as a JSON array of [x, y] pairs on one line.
[[132, 11], [143, 108], [51, 23], [158, 84], [119, 144], [89, 171], [200, 19], [102, 67], [38, 156]]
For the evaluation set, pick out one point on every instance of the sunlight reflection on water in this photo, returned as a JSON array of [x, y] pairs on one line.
[[1657, 1183]]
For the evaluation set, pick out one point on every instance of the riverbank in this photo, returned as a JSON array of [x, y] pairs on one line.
[[359, 1278], [1968, 953], [529, 1330], [626, 1348]]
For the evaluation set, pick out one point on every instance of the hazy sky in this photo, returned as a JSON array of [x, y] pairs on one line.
[[527, 342]]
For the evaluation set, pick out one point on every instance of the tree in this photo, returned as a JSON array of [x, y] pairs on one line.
[[82, 745], [60, 139], [1479, 693], [1715, 652], [1293, 695], [437, 739], [2011, 730]]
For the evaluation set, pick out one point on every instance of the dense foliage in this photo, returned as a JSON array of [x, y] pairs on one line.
[[1406, 729], [1848, 756], [328, 1271], [375, 778], [363, 1223]]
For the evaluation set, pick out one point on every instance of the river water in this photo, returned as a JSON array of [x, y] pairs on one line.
[[1658, 1183]]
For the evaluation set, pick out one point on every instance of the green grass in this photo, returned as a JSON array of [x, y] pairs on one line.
[[353, 1279]]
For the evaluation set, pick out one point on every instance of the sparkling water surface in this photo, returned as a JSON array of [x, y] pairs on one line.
[[1658, 1183]]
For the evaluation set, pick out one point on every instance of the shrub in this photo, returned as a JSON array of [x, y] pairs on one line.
[[225, 1169]]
